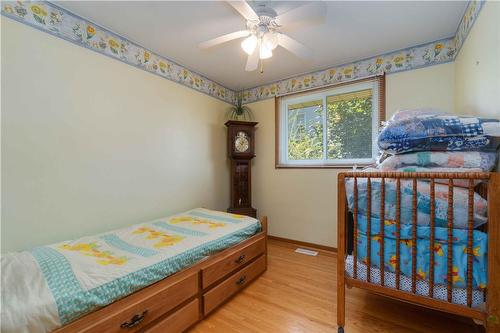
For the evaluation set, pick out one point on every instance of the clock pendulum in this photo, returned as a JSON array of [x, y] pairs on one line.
[[241, 150]]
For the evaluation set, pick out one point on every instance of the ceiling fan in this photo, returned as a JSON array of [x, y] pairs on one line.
[[263, 33]]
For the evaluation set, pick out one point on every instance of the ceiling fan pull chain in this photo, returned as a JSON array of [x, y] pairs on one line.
[[261, 66]]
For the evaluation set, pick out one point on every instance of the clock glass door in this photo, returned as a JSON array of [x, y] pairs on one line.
[[240, 184]]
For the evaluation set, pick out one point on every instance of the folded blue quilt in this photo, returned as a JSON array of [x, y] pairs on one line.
[[440, 248], [440, 132]]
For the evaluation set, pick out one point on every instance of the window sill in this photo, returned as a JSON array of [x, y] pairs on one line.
[[321, 166]]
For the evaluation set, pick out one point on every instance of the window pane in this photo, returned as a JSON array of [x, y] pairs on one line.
[[349, 125], [305, 130]]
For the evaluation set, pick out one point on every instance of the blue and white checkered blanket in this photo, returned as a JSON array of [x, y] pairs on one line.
[[440, 132]]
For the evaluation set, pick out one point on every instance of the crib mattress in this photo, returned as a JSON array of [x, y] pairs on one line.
[[459, 295], [50, 286]]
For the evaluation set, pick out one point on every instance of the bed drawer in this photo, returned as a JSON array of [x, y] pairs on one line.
[[178, 321], [231, 262], [139, 309], [233, 284]]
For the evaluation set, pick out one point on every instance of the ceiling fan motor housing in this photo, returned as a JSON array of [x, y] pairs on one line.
[[265, 23], [265, 13]]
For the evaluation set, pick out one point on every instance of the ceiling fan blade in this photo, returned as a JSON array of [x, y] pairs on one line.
[[244, 9], [312, 11], [293, 46], [253, 61], [224, 38]]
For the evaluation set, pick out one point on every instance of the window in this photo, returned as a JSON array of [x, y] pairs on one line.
[[332, 127]]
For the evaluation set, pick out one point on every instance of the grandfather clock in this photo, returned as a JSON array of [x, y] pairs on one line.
[[241, 150]]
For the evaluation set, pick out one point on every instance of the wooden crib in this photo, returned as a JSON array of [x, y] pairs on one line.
[[488, 315]]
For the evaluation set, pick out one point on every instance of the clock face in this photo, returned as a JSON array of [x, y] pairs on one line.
[[241, 142]]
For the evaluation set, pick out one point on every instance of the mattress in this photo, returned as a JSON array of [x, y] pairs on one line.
[[458, 295], [50, 286]]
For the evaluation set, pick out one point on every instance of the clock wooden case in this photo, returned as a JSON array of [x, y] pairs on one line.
[[241, 150]]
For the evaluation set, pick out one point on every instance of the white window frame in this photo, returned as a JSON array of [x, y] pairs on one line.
[[283, 126]]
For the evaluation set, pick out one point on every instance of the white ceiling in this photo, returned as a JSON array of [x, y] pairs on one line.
[[352, 30]]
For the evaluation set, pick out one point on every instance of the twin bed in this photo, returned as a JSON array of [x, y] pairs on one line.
[[160, 276]]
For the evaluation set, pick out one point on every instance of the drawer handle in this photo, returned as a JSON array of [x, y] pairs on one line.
[[241, 280], [240, 259], [136, 320]]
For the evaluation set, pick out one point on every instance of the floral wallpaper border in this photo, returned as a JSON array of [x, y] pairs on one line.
[[465, 26], [433, 53], [59, 22]]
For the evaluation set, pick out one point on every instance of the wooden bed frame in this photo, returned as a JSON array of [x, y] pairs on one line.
[[177, 302], [489, 315]]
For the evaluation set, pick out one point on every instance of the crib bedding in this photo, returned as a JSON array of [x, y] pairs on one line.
[[460, 202], [458, 295], [50, 286], [440, 248]]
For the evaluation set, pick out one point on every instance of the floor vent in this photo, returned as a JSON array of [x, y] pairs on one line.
[[306, 252]]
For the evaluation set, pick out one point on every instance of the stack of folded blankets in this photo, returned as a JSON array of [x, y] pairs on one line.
[[433, 141], [428, 141]]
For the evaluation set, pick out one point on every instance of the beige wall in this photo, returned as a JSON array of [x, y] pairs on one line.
[[302, 203], [426, 87], [477, 66], [90, 144]]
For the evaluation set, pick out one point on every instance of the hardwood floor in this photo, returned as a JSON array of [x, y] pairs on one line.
[[298, 294]]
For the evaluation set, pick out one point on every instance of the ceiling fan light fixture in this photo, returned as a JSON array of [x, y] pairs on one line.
[[270, 40], [249, 44], [265, 53]]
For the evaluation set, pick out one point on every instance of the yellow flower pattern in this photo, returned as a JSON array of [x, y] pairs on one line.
[[39, 13], [164, 239], [196, 221], [92, 250], [90, 31], [438, 47], [38, 10], [113, 45]]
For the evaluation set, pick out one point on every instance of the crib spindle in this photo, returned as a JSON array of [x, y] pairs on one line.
[[432, 237], [355, 230], [414, 239], [382, 231], [470, 235], [368, 228], [398, 230], [449, 281]]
